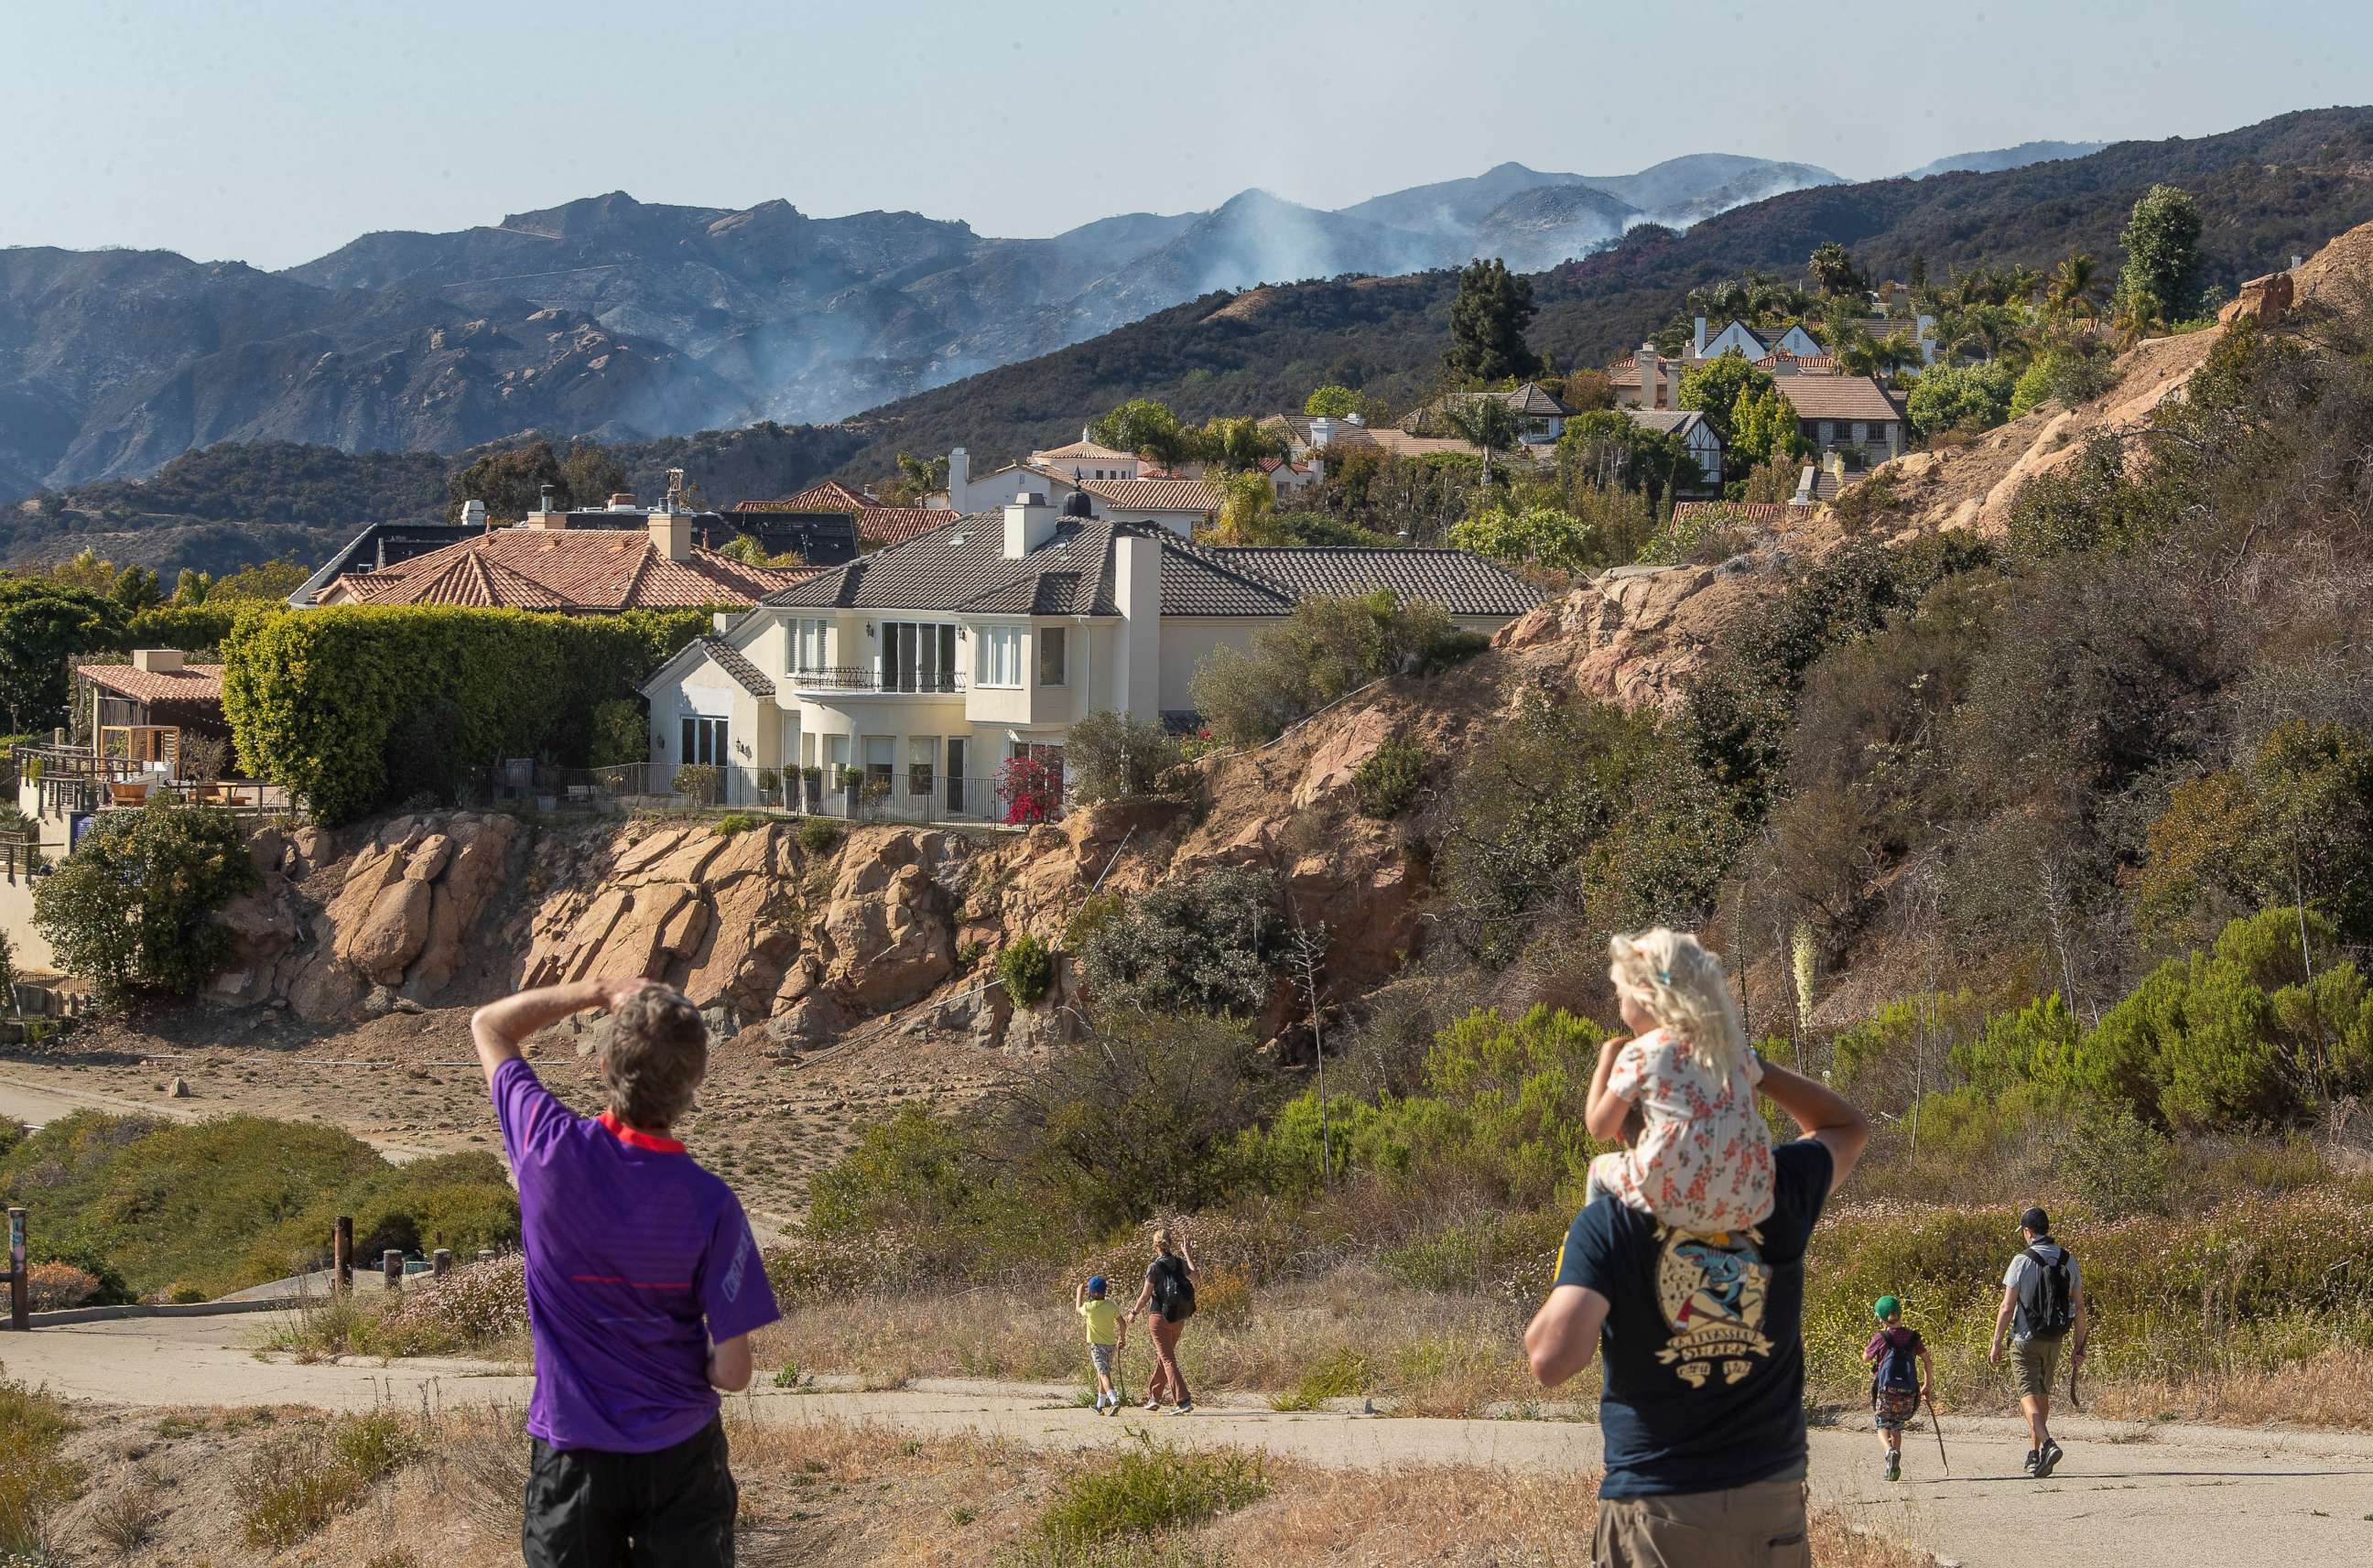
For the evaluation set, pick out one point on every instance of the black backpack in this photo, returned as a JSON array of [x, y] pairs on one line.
[[1898, 1366], [1173, 1294], [2044, 1298]]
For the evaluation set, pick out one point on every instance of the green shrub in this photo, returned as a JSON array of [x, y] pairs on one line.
[[1339, 1375], [699, 782], [1114, 755], [1387, 781], [1327, 648], [1959, 397], [732, 823], [1202, 944], [1027, 969], [131, 908], [1147, 1490], [621, 734], [233, 1201], [352, 705], [819, 836]]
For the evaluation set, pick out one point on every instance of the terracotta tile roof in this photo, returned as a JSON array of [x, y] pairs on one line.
[[581, 569], [194, 683], [1085, 450], [1838, 397], [1156, 495], [736, 665], [1769, 514], [1460, 582], [895, 525], [832, 496]]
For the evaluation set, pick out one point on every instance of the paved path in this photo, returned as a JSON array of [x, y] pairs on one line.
[[2127, 1497]]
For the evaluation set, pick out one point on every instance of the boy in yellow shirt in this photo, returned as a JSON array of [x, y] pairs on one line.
[[1106, 1338]]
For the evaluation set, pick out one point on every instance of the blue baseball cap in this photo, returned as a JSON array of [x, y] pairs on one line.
[[1096, 1284]]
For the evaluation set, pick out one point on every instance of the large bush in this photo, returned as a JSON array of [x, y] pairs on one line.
[[1327, 648], [234, 1201], [1113, 755], [1199, 944], [132, 909], [344, 705], [1960, 397]]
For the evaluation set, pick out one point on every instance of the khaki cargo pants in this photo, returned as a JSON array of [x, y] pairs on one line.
[[1758, 1526]]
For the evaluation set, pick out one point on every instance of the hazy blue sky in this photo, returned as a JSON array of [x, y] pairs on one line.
[[272, 131]]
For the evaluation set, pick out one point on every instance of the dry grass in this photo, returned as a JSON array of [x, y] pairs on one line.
[[2333, 1390], [1351, 1333]]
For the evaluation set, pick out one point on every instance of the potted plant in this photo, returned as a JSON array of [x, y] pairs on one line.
[[770, 787], [813, 778]]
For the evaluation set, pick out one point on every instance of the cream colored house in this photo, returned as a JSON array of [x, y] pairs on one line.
[[911, 677]]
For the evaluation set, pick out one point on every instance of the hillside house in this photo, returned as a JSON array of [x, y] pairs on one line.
[[1540, 418], [547, 564], [1845, 412], [911, 677], [1651, 379], [1180, 506], [1691, 429]]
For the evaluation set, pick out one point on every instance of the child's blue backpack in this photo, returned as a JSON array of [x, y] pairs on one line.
[[1898, 1364]]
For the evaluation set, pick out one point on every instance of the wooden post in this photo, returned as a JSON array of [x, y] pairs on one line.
[[20, 1283], [391, 1264], [443, 1260], [341, 1256]]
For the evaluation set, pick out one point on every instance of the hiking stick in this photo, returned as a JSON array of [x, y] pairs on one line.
[[2073, 1399], [1938, 1428]]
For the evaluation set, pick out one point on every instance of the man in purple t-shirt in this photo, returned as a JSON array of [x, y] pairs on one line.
[[643, 1285]]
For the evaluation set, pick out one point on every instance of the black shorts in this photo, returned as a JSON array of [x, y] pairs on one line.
[[590, 1508]]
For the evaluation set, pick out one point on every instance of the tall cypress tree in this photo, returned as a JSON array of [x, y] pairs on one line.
[[1487, 324]]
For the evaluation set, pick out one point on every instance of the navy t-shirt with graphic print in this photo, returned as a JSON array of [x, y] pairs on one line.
[[1704, 1363]]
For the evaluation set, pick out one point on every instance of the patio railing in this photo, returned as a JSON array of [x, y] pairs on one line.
[[908, 794], [867, 678]]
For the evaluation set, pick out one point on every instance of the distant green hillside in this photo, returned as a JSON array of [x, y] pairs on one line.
[[2269, 192]]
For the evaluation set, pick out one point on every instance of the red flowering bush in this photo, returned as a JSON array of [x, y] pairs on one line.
[[1032, 789]]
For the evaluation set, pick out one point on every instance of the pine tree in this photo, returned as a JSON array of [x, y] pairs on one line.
[[1487, 323]]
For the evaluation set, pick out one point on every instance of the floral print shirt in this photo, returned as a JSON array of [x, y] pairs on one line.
[[1703, 1160]]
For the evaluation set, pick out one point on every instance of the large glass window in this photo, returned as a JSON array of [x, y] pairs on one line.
[[999, 662], [922, 763], [809, 645], [704, 741], [835, 752], [917, 656], [1050, 656]]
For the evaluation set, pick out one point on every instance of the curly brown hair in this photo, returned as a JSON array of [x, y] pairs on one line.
[[657, 1055]]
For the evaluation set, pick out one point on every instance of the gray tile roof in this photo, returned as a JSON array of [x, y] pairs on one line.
[[1670, 421], [1458, 580], [735, 663], [961, 564]]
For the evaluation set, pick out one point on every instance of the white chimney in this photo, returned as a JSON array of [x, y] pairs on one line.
[[1136, 593], [159, 660], [1358, 419], [1697, 340], [1029, 523], [1803, 496], [959, 477], [1651, 376], [721, 621], [473, 515], [1322, 430], [671, 533]]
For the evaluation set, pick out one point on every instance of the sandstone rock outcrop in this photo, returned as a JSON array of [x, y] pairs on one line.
[[2265, 300]]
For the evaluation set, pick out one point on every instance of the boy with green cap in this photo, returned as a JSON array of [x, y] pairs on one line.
[[1900, 1377]]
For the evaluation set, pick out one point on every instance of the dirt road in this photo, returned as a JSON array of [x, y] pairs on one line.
[[2127, 1497]]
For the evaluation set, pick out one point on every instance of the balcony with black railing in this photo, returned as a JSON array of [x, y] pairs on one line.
[[870, 679]]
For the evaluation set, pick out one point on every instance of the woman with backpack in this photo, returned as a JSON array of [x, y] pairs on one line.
[[1167, 1301]]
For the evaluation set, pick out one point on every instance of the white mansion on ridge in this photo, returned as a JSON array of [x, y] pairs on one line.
[[918, 670]]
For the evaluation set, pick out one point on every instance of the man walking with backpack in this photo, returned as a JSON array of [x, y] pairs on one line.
[[2042, 1303]]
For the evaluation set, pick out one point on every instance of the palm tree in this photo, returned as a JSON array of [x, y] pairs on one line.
[[2078, 285], [1484, 422]]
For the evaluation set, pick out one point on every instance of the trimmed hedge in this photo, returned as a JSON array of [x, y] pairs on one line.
[[353, 707]]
